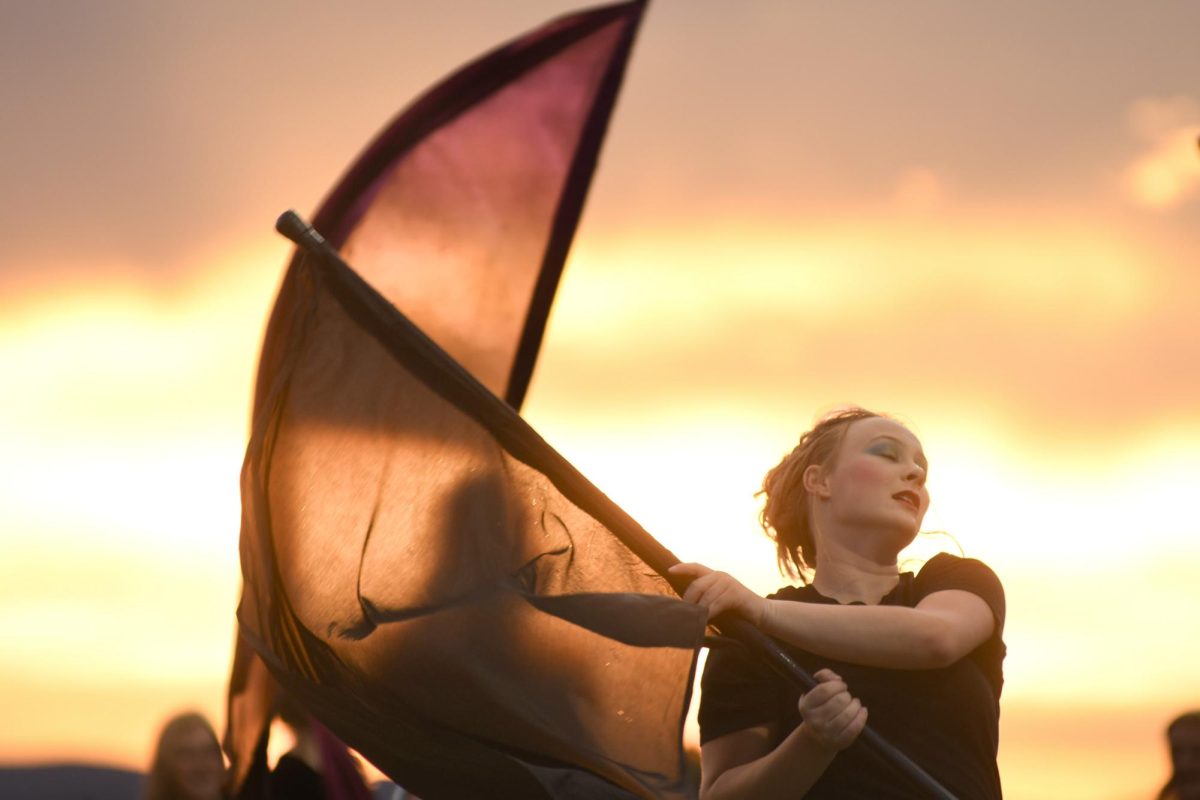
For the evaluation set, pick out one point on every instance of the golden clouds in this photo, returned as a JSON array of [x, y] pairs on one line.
[[842, 269], [1030, 316], [126, 417], [123, 420], [115, 350]]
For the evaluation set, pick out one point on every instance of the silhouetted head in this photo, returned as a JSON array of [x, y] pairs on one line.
[[1183, 736]]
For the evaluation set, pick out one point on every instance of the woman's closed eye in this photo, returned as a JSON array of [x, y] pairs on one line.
[[885, 450]]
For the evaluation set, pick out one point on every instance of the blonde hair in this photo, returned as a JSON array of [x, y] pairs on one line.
[[784, 517]]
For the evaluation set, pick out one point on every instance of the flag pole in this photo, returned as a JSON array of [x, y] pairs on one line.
[[444, 375]]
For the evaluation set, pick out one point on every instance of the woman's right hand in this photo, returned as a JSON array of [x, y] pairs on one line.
[[833, 719], [720, 592]]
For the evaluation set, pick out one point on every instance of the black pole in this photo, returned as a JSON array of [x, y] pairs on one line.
[[769, 651], [442, 374]]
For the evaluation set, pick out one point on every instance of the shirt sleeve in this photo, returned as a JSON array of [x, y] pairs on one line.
[[945, 571], [737, 693]]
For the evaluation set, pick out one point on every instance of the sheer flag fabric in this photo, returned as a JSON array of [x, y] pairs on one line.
[[414, 569]]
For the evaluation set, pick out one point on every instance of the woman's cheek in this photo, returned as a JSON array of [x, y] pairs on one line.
[[868, 471]]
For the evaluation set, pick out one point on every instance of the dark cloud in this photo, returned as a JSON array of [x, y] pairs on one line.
[[138, 131]]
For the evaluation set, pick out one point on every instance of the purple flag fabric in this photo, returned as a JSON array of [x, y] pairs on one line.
[[412, 572]]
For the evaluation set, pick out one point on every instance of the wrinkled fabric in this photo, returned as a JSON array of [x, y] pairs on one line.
[[417, 576], [401, 563]]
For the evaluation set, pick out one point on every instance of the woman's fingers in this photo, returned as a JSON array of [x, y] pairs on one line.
[[845, 728], [847, 715], [829, 684], [719, 592], [831, 715], [856, 726], [700, 587], [698, 573], [690, 568], [712, 594], [824, 705]]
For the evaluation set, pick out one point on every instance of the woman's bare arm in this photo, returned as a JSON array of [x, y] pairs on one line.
[[941, 629], [742, 764]]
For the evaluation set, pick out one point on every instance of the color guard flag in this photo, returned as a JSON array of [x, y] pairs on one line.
[[429, 578]]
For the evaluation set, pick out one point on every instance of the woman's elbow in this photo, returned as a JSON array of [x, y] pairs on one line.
[[939, 648]]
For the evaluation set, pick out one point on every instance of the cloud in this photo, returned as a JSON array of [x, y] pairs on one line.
[[1052, 322], [1167, 173]]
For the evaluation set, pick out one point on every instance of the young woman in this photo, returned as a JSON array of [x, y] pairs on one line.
[[919, 655], [188, 764]]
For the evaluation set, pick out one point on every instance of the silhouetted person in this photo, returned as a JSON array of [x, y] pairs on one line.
[[187, 762], [1183, 737]]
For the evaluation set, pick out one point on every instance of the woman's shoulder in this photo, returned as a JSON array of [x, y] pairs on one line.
[[947, 571], [944, 564]]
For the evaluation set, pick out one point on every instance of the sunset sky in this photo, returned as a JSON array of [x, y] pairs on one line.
[[984, 219]]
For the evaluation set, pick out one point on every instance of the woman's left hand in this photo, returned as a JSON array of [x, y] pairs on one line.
[[720, 592]]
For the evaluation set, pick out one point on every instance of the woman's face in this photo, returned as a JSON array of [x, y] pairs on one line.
[[877, 480], [196, 764]]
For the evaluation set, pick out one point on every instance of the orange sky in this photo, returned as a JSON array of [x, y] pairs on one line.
[[983, 220]]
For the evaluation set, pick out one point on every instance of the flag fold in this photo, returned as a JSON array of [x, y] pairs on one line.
[[418, 567]]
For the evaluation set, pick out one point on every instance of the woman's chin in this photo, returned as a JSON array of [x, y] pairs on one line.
[[903, 535]]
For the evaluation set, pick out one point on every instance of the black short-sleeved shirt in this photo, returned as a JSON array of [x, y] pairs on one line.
[[946, 720]]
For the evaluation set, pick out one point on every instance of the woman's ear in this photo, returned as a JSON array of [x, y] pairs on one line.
[[816, 481]]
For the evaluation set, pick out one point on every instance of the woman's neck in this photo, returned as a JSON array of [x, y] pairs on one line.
[[850, 577]]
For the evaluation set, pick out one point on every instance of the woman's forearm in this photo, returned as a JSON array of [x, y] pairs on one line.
[[788, 771], [893, 637], [944, 627]]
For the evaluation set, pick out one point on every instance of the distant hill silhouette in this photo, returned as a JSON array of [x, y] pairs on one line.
[[69, 782]]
